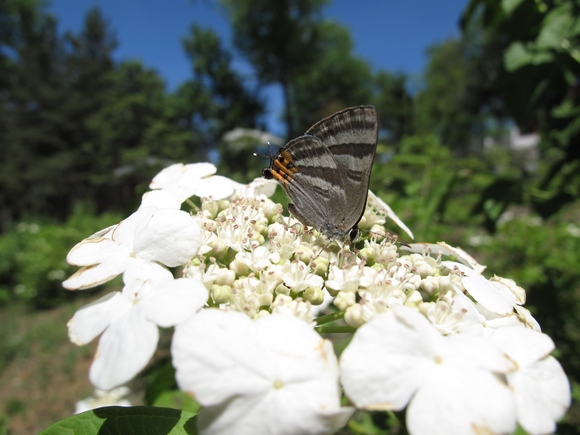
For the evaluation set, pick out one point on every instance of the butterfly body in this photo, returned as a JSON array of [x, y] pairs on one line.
[[326, 171]]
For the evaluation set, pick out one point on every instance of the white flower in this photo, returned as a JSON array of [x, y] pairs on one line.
[[349, 277], [129, 321], [274, 375], [257, 187], [492, 295], [442, 248], [182, 180], [298, 276], [251, 293], [102, 398], [448, 382], [194, 179], [137, 247], [258, 259], [296, 307], [540, 386], [217, 187], [160, 199], [240, 224]]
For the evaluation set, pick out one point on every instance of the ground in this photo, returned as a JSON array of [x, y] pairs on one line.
[[42, 374]]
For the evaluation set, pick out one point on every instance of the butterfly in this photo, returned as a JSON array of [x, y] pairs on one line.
[[326, 171]]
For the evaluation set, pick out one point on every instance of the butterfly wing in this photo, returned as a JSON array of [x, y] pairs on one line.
[[351, 137], [312, 179]]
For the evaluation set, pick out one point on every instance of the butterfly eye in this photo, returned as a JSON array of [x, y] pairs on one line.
[[267, 174]]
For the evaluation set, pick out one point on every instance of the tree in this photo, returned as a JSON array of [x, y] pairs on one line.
[[281, 39], [336, 78], [444, 106], [32, 96], [75, 126], [394, 105], [216, 99]]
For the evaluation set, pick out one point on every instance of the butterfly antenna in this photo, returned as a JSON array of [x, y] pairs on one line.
[[265, 156]]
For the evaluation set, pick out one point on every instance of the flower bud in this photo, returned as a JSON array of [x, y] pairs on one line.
[[210, 208], [314, 295], [221, 294], [239, 268], [344, 300]]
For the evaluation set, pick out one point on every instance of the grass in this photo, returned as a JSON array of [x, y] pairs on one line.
[[42, 374]]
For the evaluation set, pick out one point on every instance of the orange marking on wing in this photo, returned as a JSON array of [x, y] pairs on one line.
[[284, 168]]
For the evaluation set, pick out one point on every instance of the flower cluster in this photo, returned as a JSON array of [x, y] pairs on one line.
[[431, 334]]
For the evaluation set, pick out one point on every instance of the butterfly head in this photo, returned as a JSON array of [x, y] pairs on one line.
[[282, 168]]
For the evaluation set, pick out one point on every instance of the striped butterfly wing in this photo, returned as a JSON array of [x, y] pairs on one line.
[[351, 137], [314, 181]]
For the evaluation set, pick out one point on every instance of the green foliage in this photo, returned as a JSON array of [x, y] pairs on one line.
[[430, 189], [537, 48], [137, 419], [33, 256]]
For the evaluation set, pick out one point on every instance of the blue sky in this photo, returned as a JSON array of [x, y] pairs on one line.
[[389, 34]]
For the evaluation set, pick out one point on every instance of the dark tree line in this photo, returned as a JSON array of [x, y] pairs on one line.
[[75, 125]]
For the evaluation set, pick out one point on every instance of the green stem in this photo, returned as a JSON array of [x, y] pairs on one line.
[[330, 318], [335, 329]]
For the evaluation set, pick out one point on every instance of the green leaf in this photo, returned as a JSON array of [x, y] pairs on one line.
[[557, 27], [177, 399], [508, 6], [516, 56], [126, 420]]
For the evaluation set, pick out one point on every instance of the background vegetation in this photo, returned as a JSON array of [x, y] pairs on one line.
[[81, 135]]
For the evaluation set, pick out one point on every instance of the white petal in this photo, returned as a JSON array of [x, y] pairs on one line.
[[527, 319], [175, 301], [240, 417], [168, 176], [461, 400], [542, 394], [210, 354], [442, 248], [170, 237], [160, 199], [175, 174], [275, 373], [106, 232], [182, 180], [258, 186], [476, 352], [195, 171], [124, 350], [125, 232], [523, 345], [92, 276], [216, 186], [388, 358], [142, 270], [91, 251], [92, 319], [495, 297]]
